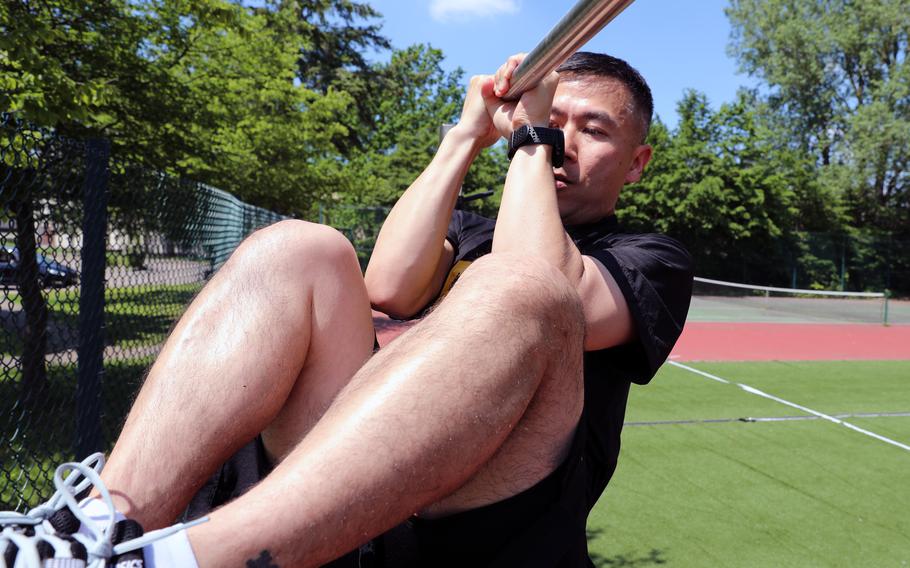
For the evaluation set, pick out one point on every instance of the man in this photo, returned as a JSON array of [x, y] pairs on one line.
[[490, 428]]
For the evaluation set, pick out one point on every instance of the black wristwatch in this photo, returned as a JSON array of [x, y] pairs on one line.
[[527, 134]]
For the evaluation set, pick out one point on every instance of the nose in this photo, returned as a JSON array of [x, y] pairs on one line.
[[571, 143]]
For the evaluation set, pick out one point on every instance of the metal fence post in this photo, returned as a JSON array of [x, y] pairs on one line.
[[89, 437]]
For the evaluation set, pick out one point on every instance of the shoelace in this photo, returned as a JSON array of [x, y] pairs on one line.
[[66, 487], [97, 543]]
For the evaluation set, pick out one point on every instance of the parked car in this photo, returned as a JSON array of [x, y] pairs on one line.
[[50, 272]]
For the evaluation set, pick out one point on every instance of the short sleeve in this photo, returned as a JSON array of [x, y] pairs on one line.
[[655, 275], [470, 234], [453, 233]]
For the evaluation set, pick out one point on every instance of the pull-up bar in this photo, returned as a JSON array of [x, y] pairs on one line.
[[579, 25]]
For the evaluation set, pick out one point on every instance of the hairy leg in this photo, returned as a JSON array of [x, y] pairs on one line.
[[420, 419], [265, 346]]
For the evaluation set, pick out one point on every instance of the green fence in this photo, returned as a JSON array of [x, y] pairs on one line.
[[862, 261], [856, 262], [98, 260]]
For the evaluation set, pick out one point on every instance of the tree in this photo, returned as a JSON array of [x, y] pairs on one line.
[[201, 88], [838, 71], [51, 53], [409, 98], [721, 184], [34, 335], [335, 34], [37, 172], [252, 129], [402, 105]]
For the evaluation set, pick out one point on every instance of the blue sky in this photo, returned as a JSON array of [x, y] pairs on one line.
[[676, 45]]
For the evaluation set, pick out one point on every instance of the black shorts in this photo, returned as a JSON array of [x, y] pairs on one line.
[[543, 526]]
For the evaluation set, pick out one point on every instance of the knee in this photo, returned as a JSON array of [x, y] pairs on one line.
[[526, 288], [294, 246]]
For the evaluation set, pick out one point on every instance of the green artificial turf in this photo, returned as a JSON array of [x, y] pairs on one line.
[[801, 493], [827, 386]]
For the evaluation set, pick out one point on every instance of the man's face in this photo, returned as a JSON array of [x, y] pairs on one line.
[[603, 146]]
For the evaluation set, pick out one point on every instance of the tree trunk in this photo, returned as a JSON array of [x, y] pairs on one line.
[[28, 281]]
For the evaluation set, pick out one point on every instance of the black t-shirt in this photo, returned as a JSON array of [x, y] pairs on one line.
[[544, 526], [654, 273]]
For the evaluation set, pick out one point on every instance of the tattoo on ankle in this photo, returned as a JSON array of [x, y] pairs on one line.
[[264, 560]]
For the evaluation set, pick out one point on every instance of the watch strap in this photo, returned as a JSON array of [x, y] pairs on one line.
[[527, 134]]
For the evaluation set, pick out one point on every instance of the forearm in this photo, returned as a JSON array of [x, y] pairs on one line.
[[410, 243], [529, 220]]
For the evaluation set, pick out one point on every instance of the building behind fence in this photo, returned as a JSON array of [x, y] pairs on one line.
[[98, 260]]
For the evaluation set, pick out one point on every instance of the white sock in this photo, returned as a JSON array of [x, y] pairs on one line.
[[98, 512], [170, 552]]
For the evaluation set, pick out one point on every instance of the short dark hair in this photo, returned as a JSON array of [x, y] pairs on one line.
[[587, 64]]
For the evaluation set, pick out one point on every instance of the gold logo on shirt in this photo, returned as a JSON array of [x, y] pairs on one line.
[[454, 274]]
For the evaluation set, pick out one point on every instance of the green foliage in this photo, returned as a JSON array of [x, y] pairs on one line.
[[487, 174], [46, 50], [719, 183], [818, 154], [254, 130], [203, 88], [275, 103], [402, 104], [335, 34], [839, 75]]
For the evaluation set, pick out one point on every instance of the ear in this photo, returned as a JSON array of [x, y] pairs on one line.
[[639, 160]]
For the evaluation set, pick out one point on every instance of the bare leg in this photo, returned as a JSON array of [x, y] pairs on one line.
[[265, 346], [461, 396]]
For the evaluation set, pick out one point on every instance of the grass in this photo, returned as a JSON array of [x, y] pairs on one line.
[[795, 493], [38, 438], [134, 316], [116, 258], [126, 299]]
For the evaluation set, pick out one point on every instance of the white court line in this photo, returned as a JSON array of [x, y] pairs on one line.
[[753, 390]]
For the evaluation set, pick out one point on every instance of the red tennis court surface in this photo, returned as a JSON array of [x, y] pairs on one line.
[[388, 329], [709, 341]]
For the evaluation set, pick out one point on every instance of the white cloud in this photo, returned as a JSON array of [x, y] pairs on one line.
[[444, 10]]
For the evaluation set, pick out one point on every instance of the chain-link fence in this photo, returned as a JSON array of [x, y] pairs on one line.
[[867, 261], [98, 260], [360, 224]]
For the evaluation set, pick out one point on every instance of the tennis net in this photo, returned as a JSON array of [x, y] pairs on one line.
[[718, 300]]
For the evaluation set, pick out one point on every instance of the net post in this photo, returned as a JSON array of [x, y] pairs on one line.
[[885, 308], [843, 263]]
